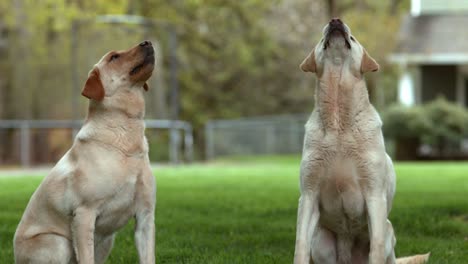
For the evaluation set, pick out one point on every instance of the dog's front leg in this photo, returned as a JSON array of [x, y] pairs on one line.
[[377, 217], [144, 217], [83, 234], [144, 236], [307, 218]]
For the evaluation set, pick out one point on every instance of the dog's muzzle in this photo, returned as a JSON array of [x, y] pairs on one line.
[[336, 28], [146, 48]]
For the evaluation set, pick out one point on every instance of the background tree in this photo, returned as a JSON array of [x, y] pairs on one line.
[[237, 58]]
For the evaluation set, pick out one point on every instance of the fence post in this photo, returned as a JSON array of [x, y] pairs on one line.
[[25, 144], [75, 94], [174, 97], [188, 142], [174, 140], [269, 139], [209, 140]]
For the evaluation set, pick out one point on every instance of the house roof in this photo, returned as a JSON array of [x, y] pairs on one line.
[[433, 39]]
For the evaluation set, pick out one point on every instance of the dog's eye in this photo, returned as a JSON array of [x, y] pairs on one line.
[[113, 57], [352, 38]]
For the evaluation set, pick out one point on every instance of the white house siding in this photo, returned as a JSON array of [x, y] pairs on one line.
[[422, 7]]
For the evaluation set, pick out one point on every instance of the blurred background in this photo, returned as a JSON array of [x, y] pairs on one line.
[[227, 81]]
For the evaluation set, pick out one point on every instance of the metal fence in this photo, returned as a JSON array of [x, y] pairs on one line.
[[180, 134], [251, 136]]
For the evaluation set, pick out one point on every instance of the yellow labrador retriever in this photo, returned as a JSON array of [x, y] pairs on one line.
[[104, 179], [347, 180]]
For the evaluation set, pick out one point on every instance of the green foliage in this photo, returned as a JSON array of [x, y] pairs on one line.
[[449, 121], [38, 36], [436, 123], [236, 58], [228, 59], [234, 61], [245, 212], [405, 122]]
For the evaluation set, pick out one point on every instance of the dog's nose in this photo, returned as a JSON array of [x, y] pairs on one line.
[[335, 21], [145, 43]]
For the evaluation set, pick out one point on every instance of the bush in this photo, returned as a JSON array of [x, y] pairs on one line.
[[440, 124], [449, 122], [405, 122]]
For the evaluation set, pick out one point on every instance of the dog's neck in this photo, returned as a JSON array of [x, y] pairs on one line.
[[123, 130], [340, 98]]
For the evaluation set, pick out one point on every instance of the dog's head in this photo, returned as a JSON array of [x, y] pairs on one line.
[[339, 48], [120, 70]]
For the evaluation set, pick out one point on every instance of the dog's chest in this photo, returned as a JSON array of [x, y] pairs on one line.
[[115, 212], [341, 200], [342, 206], [339, 159]]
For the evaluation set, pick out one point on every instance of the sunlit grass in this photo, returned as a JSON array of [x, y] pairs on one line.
[[243, 210]]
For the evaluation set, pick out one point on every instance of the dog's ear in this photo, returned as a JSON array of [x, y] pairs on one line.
[[93, 88], [145, 86], [368, 64], [308, 65]]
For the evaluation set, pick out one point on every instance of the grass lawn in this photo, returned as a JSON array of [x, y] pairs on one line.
[[244, 211]]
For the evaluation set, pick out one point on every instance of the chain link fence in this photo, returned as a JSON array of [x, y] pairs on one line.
[[57, 138], [254, 136]]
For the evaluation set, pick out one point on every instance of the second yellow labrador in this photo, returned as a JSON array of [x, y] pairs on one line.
[[347, 180], [104, 179]]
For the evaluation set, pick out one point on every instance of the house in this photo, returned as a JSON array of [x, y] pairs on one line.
[[432, 51]]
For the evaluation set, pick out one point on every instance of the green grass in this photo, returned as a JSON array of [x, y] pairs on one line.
[[243, 210]]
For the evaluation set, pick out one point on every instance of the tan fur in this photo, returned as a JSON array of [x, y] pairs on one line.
[[368, 64], [347, 180], [308, 65], [103, 180]]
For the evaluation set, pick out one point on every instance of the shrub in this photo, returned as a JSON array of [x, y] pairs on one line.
[[405, 122], [449, 122], [440, 124]]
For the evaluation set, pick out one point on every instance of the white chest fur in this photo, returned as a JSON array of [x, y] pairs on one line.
[[116, 211]]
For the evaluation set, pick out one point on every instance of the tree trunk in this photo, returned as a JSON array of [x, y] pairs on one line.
[[393, 8], [332, 8]]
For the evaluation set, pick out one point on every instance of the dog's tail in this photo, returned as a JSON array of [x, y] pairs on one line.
[[416, 259]]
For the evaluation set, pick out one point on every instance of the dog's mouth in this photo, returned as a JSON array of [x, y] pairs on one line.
[[336, 31], [147, 60]]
